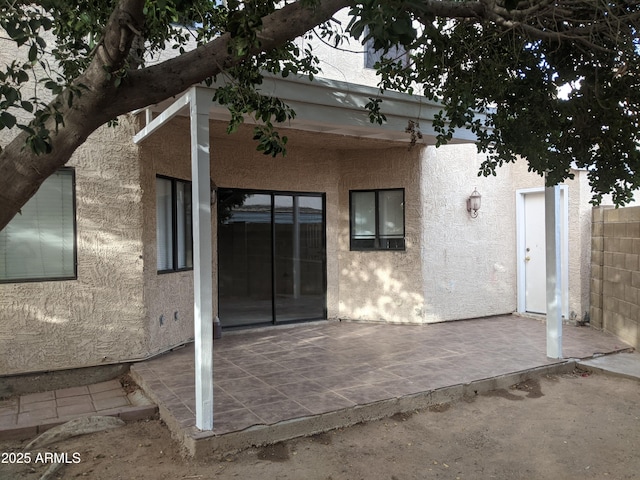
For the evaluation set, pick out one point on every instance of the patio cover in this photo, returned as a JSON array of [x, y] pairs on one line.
[[323, 106]]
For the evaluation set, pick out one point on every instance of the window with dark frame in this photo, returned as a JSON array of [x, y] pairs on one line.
[[174, 227], [376, 219], [39, 244]]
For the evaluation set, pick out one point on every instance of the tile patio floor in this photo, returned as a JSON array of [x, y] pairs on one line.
[[26, 416], [273, 375]]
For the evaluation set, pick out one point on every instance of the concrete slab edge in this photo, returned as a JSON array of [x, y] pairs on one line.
[[590, 367], [202, 445]]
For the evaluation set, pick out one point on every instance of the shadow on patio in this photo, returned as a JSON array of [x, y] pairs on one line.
[[277, 383]]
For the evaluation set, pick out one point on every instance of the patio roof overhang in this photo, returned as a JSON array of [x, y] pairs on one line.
[[322, 106]]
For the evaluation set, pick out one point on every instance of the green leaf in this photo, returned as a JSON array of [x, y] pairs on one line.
[[11, 95], [33, 53], [7, 120]]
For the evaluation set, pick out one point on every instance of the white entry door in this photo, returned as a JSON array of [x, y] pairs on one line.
[[532, 276]]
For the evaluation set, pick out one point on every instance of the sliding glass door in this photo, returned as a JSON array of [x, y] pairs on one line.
[[271, 257]]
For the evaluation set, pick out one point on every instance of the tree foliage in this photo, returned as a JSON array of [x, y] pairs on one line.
[[495, 66]]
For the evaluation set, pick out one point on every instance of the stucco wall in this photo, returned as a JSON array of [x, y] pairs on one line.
[[168, 297], [381, 285], [579, 247], [309, 166], [469, 263], [360, 285], [98, 318]]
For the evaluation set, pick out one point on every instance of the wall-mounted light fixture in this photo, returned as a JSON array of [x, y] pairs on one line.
[[473, 203]]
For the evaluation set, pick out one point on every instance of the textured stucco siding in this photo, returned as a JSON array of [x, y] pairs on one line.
[[469, 263], [309, 166], [580, 217], [98, 318], [360, 285], [169, 296], [381, 285]]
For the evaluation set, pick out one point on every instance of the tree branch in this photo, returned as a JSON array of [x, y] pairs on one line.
[[23, 171]]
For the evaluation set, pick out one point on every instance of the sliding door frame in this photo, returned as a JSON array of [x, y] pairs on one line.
[[273, 194]]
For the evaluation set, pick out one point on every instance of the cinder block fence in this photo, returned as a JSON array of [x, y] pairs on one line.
[[615, 272]]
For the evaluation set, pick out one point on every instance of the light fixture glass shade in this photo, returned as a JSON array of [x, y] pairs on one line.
[[473, 203]]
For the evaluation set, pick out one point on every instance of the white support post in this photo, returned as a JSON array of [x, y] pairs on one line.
[[554, 271], [202, 256]]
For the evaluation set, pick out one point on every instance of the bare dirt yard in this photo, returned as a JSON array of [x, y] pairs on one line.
[[571, 426]]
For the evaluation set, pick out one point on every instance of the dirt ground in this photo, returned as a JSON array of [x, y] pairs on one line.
[[573, 426]]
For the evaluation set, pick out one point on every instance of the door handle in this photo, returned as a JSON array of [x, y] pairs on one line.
[[527, 258]]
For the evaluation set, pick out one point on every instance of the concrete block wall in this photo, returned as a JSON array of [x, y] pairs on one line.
[[615, 267]]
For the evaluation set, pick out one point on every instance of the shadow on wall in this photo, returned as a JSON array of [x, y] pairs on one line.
[[384, 288], [97, 318]]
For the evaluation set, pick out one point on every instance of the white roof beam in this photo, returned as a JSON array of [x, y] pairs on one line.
[[170, 112]]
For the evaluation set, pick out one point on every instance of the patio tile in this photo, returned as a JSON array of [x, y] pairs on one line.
[[400, 387], [298, 389], [29, 407], [336, 382], [224, 403], [244, 360], [280, 378], [182, 413], [72, 392], [265, 368], [187, 397], [104, 386], [319, 371], [180, 381], [36, 397], [235, 420], [258, 396], [188, 422], [34, 416], [104, 394], [70, 410], [278, 411], [324, 402], [110, 402], [229, 373], [364, 394], [77, 400], [241, 384]]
